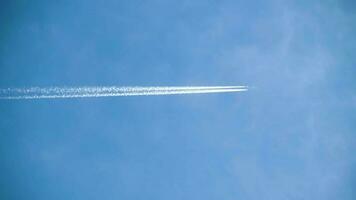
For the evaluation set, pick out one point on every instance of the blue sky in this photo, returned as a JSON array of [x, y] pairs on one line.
[[291, 137]]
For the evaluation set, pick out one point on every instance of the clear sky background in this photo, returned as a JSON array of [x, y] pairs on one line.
[[291, 137]]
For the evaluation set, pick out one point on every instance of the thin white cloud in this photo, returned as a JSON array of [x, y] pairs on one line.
[[81, 92]]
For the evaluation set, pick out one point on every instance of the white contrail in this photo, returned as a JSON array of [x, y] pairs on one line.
[[81, 92]]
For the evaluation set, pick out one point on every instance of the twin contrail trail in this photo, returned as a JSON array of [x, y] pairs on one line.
[[81, 92]]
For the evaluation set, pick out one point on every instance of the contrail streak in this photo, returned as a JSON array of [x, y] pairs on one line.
[[81, 92]]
